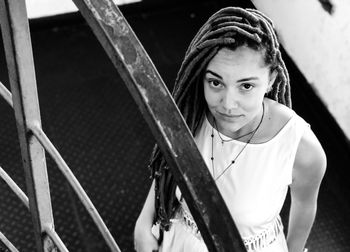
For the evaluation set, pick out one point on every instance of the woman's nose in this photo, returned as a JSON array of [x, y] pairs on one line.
[[229, 100]]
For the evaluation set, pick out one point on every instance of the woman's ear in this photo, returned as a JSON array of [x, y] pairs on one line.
[[272, 78]]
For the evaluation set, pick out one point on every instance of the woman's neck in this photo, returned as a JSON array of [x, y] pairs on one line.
[[243, 133]]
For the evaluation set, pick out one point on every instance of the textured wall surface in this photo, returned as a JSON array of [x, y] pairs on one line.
[[319, 43], [44, 8]]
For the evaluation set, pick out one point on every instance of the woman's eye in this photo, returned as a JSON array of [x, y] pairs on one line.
[[247, 86], [215, 83]]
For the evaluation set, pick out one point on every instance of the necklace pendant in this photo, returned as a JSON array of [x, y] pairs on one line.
[[222, 142]]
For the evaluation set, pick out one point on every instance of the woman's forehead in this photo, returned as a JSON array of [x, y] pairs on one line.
[[242, 56]]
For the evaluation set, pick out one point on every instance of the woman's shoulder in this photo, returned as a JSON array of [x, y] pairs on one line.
[[278, 113], [310, 160], [277, 117]]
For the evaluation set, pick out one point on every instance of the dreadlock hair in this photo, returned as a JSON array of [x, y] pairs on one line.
[[230, 27]]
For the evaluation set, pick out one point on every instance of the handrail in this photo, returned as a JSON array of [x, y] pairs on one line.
[[7, 243], [166, 123], [155, 102], [15, 188], [84, 198], [62, 165], [20, 65], [6, 94], [23, 197]]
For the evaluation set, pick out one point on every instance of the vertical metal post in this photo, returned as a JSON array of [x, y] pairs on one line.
[[19, 56]]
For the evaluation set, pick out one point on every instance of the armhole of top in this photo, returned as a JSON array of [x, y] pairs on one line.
[[301, 126]]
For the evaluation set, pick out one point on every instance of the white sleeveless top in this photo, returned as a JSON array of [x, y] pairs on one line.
[[255, 186]]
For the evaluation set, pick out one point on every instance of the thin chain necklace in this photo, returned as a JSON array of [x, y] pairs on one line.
[[232, 139], [239, 153]]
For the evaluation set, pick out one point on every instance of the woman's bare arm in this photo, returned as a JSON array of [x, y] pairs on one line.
[[308, 171], [143, 237]]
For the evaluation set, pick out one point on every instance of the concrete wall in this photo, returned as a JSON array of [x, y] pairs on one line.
[[319, 43], [44, 8]]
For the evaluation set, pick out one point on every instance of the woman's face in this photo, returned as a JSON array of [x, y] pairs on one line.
[[234, 86]]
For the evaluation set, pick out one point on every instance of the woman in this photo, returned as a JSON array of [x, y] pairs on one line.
[[233, 91]]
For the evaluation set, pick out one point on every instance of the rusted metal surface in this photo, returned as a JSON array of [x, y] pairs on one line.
[[167, 125], [7, 243], [84, 198], [19, 57]]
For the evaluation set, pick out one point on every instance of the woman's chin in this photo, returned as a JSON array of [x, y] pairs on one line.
[[226, 126]]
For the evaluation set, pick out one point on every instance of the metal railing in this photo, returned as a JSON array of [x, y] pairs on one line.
[[154, 101], [38, 133]]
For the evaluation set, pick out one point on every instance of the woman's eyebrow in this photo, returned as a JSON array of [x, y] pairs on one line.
[[240, 80], [213, 73], [248, 79]]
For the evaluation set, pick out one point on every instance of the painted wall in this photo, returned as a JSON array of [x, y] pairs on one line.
[[319, 43], [43, 8]]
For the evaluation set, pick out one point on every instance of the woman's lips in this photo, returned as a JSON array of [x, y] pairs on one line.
[[228, 116]]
